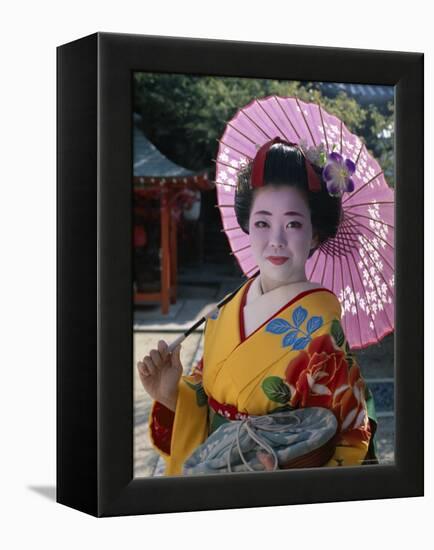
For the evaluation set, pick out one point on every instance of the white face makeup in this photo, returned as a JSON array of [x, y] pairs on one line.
[[281, 235]]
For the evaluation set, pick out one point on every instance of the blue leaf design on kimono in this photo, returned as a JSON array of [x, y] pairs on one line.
[[289, 339], [301, 343], [314, 324], [215, 315], [299, 315], [278, 326]]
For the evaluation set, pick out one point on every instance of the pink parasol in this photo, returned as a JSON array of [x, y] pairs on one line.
[[358, 264]]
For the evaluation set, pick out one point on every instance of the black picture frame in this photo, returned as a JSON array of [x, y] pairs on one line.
[[94, 274]]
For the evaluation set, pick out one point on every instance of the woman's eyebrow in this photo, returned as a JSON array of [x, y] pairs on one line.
[[266, 213], [263, 213], [293, 214]]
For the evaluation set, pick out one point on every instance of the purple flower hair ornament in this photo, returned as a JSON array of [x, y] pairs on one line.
[[337, 174]]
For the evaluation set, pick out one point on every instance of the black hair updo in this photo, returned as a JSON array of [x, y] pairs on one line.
[[285, 166]]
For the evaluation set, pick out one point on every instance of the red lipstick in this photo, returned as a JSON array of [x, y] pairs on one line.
[[277, 260]]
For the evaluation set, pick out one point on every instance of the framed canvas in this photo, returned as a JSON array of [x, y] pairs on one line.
[[137, 259]]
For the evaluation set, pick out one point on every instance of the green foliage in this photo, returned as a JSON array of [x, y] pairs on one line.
[[185, 115], [380, 132]]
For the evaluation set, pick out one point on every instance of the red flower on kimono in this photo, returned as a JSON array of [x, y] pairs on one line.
[[349, 406], [315, 375]]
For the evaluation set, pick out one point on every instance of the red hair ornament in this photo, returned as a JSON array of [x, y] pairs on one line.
[[257, 176]]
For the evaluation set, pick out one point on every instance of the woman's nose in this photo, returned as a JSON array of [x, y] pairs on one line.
[[277, 239]]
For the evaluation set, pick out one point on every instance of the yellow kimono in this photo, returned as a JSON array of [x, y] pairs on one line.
[[298, 357]]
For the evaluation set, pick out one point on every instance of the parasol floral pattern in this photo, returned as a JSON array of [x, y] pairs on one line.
[[358, 263]]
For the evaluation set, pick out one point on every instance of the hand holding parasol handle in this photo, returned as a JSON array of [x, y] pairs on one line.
[[225, 300]]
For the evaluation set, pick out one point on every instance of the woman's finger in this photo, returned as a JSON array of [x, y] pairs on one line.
[[152, 369], [175, 358], [156, 357], [143, 369], [163, 349], [144, 374]]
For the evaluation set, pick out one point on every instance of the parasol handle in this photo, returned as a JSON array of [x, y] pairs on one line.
[[176, 342], [184, 335], [225, 300]]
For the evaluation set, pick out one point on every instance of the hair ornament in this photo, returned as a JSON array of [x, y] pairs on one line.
[[336, 171], [257, 176]]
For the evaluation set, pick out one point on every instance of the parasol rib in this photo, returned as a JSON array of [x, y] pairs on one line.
[[355, 300], [364, 290], [242, 134], [314, 267], [337, 246], [323, 127], [355, 215], [253, 122], [345, 235], [234, 149], [305, 121], [223, 183], [333, 275], [380, 252], [230, 229], [225, 164], [379, 271], [253, 269], [239, 250], [372, 280], [343, 316], [282, 132], [359, 224], [358, 156], [373, 203], [354, 193], [324, 269], [287, 118]]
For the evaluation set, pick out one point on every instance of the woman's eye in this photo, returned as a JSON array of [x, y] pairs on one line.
[[261, 224], [297, 225]]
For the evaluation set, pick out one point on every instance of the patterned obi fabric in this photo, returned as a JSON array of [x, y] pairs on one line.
[[227, 411], [221, 413], [298, 438]]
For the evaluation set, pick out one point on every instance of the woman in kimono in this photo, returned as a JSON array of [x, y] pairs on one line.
[[278, 343]]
